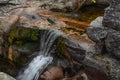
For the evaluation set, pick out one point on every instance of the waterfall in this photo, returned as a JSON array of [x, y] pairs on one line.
[[43, 59]]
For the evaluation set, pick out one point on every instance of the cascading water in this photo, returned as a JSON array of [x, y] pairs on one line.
[[40, 62]]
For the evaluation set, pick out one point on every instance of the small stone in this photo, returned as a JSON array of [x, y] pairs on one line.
[[4, 76]]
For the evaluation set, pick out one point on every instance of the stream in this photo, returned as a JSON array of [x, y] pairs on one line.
[[43, 59], [35, 45]]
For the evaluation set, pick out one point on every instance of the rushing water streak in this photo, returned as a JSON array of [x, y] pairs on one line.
[[40, 62]]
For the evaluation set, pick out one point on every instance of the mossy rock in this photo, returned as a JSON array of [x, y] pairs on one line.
[[21, 60], [21, 35], [61, 46], [23, 38], [7, 66]]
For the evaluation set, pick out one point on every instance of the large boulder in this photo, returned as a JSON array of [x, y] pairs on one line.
[[4, 76], [97, 33], [97, 30], [76, 52], [105, 32], [112, 16], [106, 39], [103, 65], [112, 42]]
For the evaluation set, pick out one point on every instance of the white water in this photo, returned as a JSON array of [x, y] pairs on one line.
[[36, 65], [39, 63]]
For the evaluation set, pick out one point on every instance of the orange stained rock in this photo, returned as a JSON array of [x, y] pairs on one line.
[[70, 22]]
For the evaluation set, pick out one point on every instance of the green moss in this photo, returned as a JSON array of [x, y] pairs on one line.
[[61, 47], [20, 36], [21, 60], [34, 35], [24, 33], [13, 34], [11, 72], [19, 43]]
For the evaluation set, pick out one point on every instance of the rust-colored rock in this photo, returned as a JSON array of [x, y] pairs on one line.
[[54, 73]]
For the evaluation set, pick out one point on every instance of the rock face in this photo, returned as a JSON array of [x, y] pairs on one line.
[[107, 35], [97, 33], [4, 76], [112, 42], [111, 20], [105, 32], [106, 39], [112, 16]]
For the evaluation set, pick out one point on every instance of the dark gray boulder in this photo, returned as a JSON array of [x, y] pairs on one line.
[[105, 64], [106, 39], [97, 33], [112, 15], [112, 43]]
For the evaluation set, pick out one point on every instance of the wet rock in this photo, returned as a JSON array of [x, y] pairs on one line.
[[79, 76], [31, 20], [4, 63], [4, 76], [75, 50], [21, 36], [82, 76], [112, 16], [95, 74], [70, 49], [101, 65], [104, 66], [54, 73]]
